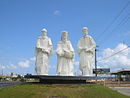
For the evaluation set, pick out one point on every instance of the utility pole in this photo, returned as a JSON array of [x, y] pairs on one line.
[[95, 62]]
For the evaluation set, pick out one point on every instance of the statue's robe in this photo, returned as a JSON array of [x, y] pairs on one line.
[[65, 55], [86, 50], [43, 51]]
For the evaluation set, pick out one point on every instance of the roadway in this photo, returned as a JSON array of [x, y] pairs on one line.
[[9, 83], [122, 90]]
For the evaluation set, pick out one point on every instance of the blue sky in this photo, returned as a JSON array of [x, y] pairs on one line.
[[21, 22]]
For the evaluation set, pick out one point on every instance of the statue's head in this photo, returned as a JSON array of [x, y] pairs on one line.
[[85, 30], [44, 32], [64, 36]]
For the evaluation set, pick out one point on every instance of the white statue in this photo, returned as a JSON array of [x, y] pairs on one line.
[[86, 49], [65, 55], [43, 51]]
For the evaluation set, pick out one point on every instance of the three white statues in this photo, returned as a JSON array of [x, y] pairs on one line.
[[65, 54]]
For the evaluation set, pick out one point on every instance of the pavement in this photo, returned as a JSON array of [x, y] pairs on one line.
[[9, 83], [122, 90]]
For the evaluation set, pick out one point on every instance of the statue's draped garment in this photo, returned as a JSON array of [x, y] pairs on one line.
[[43, 51], [86, 49], [65, 55]]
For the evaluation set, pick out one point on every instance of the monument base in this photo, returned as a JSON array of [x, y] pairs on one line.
[[61, 79]]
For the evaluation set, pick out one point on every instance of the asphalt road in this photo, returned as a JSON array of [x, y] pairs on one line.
[[6, 84], [123, 90]]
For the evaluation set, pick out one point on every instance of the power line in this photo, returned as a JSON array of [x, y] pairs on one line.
[[114, 54], [117, 16], [122, 22]]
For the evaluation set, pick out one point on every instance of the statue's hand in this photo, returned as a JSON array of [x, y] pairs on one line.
[[84, 48], [60, 53], [39, 49], [45, 51], [89, 51], [69, 55], [65, 50]]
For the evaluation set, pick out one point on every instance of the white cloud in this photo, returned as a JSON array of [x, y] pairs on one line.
[[2, 67], [10, 66], [56, 12], [33, 59], [24, 64], [13, 66], [118, 61]]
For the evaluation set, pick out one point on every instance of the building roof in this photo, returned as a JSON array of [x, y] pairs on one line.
[[122, 71]]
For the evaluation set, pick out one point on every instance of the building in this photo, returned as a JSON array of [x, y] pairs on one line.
[[122, 75]]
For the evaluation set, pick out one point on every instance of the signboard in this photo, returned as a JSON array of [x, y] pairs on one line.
[[101, 71]]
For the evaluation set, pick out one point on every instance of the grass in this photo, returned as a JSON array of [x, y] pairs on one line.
[[65, 91]]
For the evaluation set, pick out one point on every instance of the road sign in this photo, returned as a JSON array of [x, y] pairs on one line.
[[101, 70]]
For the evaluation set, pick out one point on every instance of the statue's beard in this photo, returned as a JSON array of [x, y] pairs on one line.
[[85, 33], [64, 40], [44, 36]]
